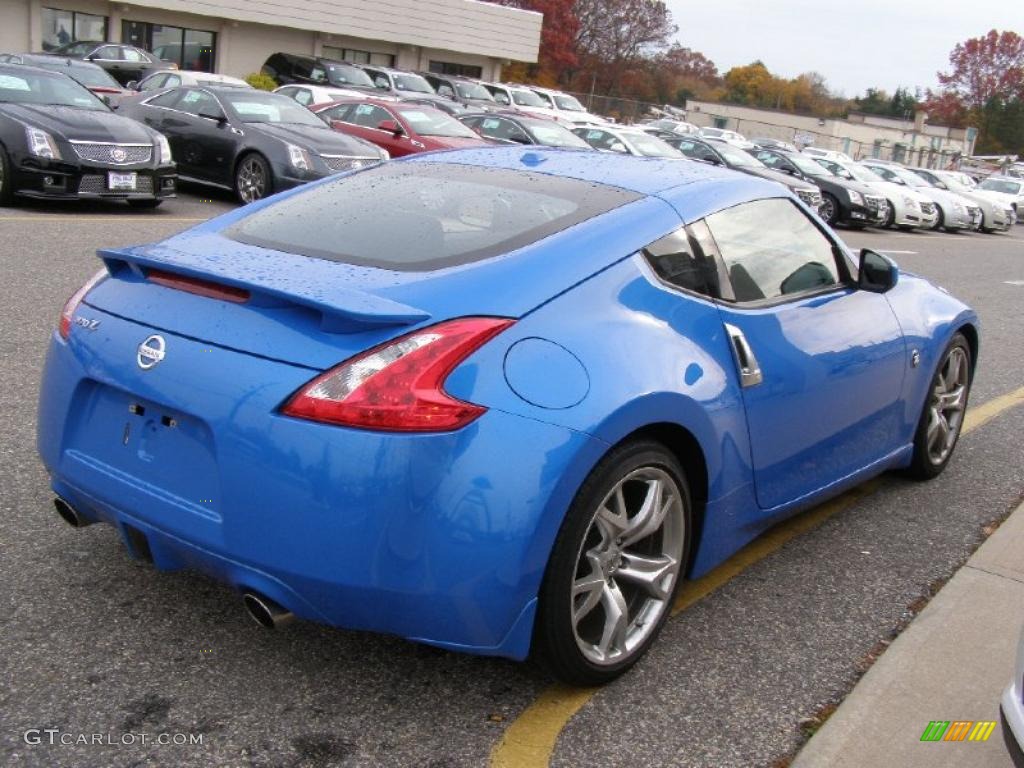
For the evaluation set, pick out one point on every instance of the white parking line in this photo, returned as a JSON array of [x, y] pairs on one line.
[[906, 252]]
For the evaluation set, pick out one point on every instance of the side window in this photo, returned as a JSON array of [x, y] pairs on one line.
[[199, 103], [168, 99], [700, 152], [445, 90], [303, 96], [369, 116], [342, 112], [771, 249], [501, 97], [130, 54], [107, 53], [679, 261], [173, 81], [153, 83]]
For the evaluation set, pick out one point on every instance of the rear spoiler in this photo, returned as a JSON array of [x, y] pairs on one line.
[[341, 309]]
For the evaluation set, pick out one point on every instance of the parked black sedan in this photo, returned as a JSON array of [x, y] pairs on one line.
[[250, 141], [843, 202], [721, 153], [57, 140], [516, 128], [93, 77], [124, 62]]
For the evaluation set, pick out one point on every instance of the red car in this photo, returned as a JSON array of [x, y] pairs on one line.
[[401, 129]]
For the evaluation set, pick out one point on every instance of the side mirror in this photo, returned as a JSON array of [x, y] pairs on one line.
[[877, 273], [133, 85], [391, 127], [785, 169], [619, 147], [220, 120]]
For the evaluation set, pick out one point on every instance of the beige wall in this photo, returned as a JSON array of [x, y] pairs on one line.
[[414, 31]]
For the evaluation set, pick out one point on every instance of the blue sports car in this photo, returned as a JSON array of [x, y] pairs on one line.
[[495, 400]]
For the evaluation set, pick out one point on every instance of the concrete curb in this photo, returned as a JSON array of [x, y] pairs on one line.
[[951, 663]]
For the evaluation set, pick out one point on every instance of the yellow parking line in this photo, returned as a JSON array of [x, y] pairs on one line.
[[530, 739]]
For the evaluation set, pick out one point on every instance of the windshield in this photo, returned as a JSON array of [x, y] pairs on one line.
[[256, 107], [912, 179], [346, 74], [410, 82], [650, 146], [28, 87], [433, 122], [439, 215], [735, 156], [88, 76], [808, 166], [473, 91], [525, 98], [1001, 185], [860, 173], [551, 134], [568, 103]]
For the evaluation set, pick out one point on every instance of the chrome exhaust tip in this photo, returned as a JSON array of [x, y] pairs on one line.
[[265, 611], [69, 514]]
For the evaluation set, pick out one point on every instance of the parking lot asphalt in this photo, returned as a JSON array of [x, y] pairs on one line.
[[96, 644]]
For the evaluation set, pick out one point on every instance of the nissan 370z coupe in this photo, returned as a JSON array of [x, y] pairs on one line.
[[516, 417]]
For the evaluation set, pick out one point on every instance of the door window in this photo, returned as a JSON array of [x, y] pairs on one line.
[[131, 54], [370, 116], [303, 96], [342, 112], [154, 83], [199, 103], [108, 53], [771, 249], [168, 99]]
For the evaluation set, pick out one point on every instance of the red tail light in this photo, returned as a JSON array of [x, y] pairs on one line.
[[198, 286], [71, 305], [399, 386]]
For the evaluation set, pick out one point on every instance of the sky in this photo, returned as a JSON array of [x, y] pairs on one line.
[[856, 44]]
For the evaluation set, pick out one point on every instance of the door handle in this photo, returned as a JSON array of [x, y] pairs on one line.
[[750, 369]]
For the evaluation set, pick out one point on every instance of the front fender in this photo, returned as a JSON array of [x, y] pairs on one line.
[[929, 316]]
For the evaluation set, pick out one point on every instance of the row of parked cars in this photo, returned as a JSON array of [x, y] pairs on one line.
[[331, 116]]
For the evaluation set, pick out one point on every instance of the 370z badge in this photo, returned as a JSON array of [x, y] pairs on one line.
[[151, 352]]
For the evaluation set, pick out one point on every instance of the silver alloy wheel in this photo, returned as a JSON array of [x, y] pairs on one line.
[[252, 180], [828, 209], [627, 565], [947, 405]]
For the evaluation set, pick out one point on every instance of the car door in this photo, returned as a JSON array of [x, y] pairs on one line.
[[109, 57], [821, 363], [202, 146], [366, 117]]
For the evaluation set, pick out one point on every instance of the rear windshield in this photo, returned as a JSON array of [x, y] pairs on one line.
[[425, 216]]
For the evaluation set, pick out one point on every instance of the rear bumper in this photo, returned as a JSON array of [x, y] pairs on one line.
[[436, 538]]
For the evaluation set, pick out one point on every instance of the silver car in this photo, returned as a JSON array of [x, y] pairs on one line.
[[954, 211], [995, 214]]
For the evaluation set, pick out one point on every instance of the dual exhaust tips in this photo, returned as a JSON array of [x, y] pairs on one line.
[[262, 609]]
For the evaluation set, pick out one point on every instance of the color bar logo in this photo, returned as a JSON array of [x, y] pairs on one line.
[[958, 730]]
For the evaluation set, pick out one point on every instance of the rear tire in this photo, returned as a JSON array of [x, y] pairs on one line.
[[942, 415], [890, 219], [616, 565], [6, 179], [940, 219]]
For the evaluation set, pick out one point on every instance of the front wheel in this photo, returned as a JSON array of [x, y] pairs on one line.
[[940, 219], [253, 180], [829, 209], [942, 417], [616, 565]]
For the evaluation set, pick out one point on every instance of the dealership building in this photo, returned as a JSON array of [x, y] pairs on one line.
[[234, 37]]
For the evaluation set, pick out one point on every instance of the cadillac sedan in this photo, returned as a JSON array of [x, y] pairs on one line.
[[500, 400]]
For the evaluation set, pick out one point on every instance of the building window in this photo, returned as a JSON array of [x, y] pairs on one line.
[[721, 122], [450, 68], [62, 27], [359, 57], [188, 48]]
